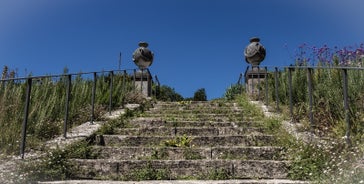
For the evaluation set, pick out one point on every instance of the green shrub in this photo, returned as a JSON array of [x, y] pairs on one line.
[[233, 91], [179, 141], [55, 165]]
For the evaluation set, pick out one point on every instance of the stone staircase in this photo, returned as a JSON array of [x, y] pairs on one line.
[[188, 141]]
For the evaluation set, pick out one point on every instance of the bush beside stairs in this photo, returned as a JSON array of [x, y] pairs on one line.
[[190, 142]]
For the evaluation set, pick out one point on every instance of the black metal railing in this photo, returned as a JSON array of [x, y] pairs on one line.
[[125, 80], [291, 85]]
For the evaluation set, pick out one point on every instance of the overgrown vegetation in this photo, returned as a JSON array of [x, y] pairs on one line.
[[233, 91], [321, 161], [47, 105], [331, 159], [147, 173], [112, 125], [55, 164], [179, 141], [327, 84], [250, 110], [217, 174]]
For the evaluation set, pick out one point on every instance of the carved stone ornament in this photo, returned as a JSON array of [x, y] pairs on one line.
[[255, 52], [142, 56]]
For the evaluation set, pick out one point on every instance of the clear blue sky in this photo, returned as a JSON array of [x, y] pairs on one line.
[[197, 43]]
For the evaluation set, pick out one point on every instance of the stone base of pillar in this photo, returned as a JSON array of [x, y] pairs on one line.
[[143, 82], [254, 80]]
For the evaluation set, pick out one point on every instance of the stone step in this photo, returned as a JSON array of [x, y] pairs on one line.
[[180, 122], [232, 181], [197, 117], [220, 118], [194, 111], [193, 104], [175, 153], [189, 131], [193, 141], [179, 169], [192, 115]]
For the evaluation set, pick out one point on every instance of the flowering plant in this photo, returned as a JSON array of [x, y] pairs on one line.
[[351, 56]]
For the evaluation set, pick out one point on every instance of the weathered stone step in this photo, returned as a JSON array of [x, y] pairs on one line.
[[177, 169], [197, 141], [194, 111], [189, 131], [160, 122], [196, 117], [193, 104], [175, 153], [232, 181], [192, 115], [220, 118]]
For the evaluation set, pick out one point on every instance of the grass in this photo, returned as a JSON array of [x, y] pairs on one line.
[[328, 108], [146, 173], [47, 107], [327, 161], [56, 164], [332, 162], [179, 141]]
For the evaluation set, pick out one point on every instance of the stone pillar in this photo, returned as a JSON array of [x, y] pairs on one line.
[[254, 80], [143, 82]]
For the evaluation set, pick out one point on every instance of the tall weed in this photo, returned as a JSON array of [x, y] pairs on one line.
[[327, 86], [47, 106]]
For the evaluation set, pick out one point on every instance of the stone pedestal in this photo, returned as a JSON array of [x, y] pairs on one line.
[[254, 79], [143, 82]]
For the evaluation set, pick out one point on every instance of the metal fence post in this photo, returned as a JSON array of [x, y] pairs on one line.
[[290, 91], [68, 92], [258, 83], [158, 86], [124, 83], [141, 82], [239, 82], [252, 83], [276, 87], [148, 80], [26, 113], [246, 80], [346, 105], [134, 79], [93, 99], [266, 87], [309, 81], [111, 90]]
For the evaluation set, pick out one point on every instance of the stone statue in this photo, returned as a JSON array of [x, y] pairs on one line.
[[142, 56], [255, 52]]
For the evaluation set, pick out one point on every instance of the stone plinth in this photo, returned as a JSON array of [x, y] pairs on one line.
[[254, 78], [143, 82]]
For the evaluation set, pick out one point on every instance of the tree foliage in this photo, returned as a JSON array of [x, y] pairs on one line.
[[167, 93], [200, 95]]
